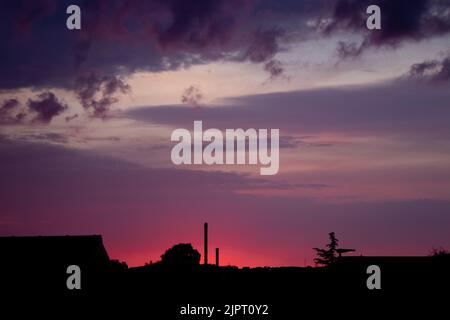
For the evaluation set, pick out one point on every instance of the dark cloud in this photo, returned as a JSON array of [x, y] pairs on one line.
[[263, 45], [10, 111], [431, 71], [198, 24], [9, 105], [45, 107], [97, 94], [274, 68], [116, 37], [123, 36], [42, 108], [192, 96], [401, 20]]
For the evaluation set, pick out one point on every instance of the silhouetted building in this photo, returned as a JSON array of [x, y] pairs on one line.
[[401, 263], [43, 260], [405, 273]]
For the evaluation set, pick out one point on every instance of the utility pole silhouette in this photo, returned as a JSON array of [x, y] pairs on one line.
[[217, 257]]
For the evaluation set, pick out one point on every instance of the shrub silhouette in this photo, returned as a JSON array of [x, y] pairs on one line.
[[328, 256], [182, 254], [440, 252]]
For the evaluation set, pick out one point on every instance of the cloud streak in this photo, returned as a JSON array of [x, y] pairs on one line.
[[396, 108], [431, 71]]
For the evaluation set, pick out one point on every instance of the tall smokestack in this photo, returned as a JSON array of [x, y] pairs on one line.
[[206, 245], [217, 257]]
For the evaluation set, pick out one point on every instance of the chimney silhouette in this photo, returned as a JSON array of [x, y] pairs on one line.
[[206, 244], [217, 257]]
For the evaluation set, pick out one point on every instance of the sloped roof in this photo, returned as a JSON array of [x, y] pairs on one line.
[[82, 249]]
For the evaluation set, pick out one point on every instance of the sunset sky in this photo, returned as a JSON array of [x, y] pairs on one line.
[[364, 117]]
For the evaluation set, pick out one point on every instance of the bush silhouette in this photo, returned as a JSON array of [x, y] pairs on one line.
[[440, 252], [182, 254]]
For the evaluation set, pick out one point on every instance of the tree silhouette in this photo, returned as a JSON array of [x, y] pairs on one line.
[[327, 256], [440, 252], [182, 254]]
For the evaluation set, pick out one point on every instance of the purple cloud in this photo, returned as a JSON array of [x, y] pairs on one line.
[[192, 96], [127, 36], [274, 68], [46, 106], [400, 108], [402, 20], [97, 94], [263, 45], [431, 71], [10, 111], [42, 109]]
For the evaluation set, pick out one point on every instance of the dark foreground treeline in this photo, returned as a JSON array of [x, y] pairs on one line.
[[33, 272], [161, 290]]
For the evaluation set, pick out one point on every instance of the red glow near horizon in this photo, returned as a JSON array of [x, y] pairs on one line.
[[231, 256]]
